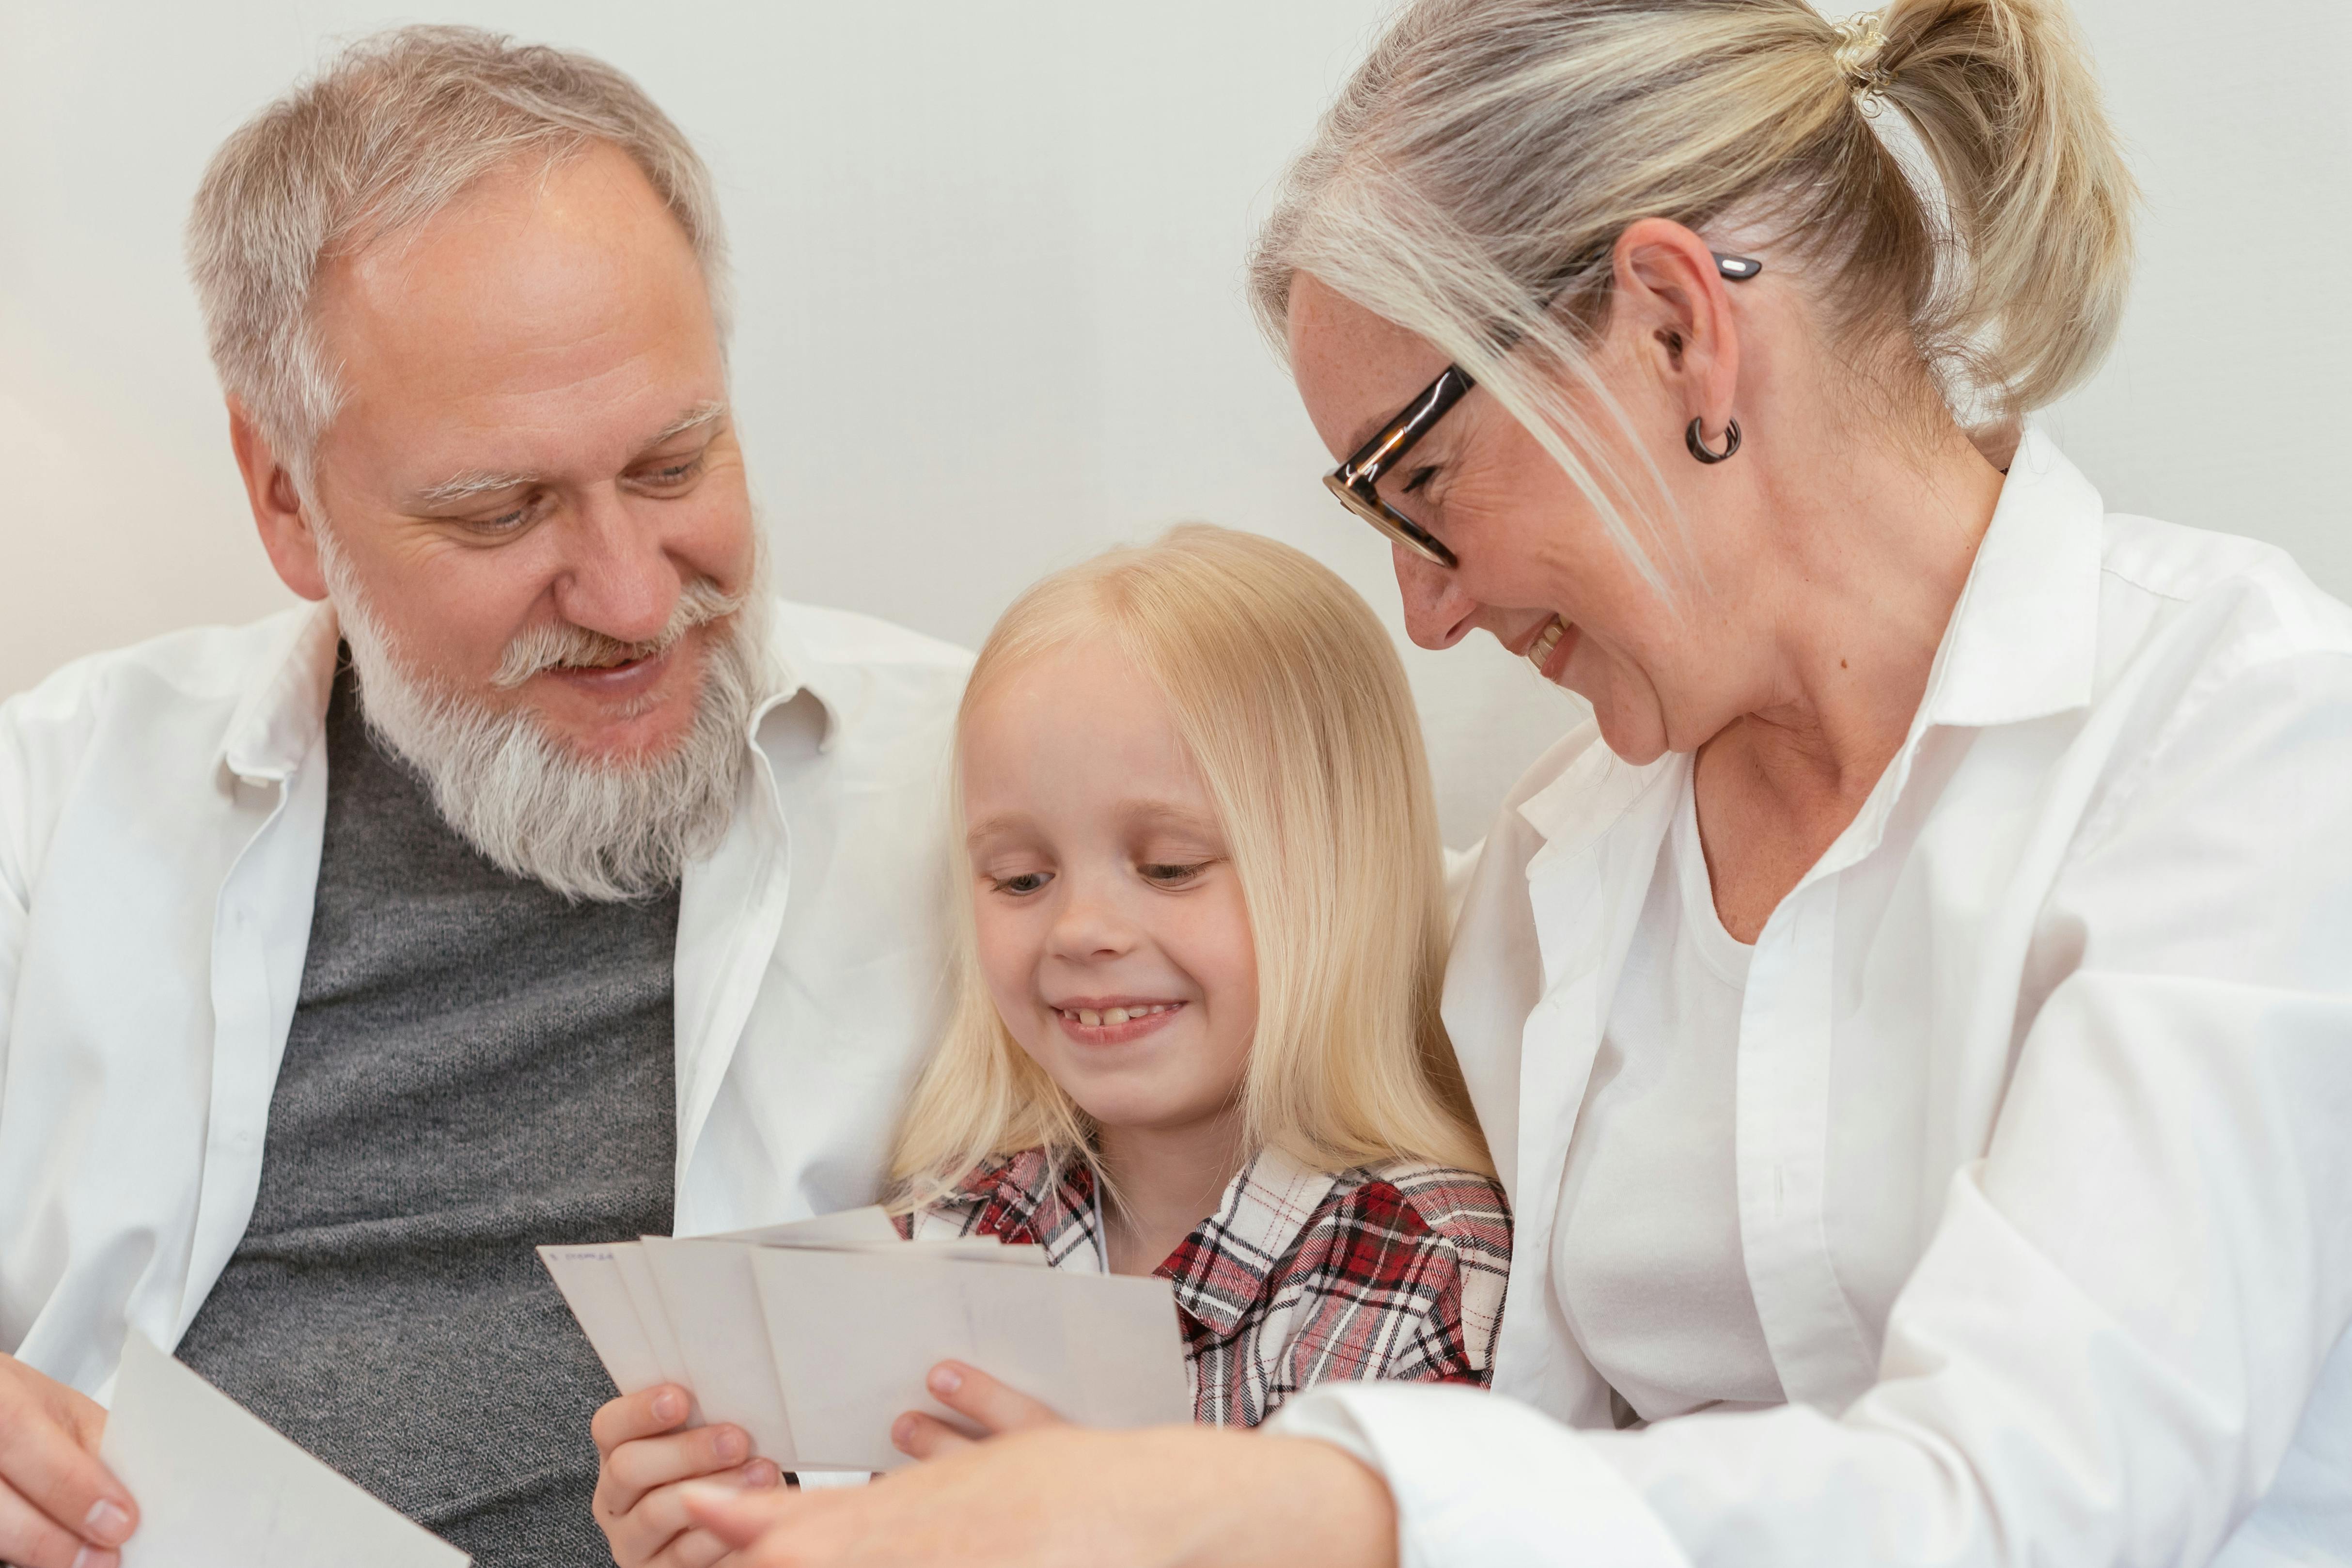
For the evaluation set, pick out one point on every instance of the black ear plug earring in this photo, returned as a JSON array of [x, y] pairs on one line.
[[1695, 439]]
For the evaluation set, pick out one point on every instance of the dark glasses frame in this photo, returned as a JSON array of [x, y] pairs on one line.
[[1356, 481]]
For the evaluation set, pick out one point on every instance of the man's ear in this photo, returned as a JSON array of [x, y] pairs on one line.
[[288, 532], [1671, 295]]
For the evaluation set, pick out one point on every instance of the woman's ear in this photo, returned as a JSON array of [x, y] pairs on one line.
[[1671, 302], [287, 529]]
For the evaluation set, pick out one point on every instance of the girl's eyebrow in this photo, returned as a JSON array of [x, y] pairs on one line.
[[1147, 812], [1168, 815], [990, 827]]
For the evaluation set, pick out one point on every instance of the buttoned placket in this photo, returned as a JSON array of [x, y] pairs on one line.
[[275, 767], [1992, 668], [1603, 831], [1781, 1140], [1602, 822], [247, 1046], [1781, 1118], [738, 895], [751, 873]]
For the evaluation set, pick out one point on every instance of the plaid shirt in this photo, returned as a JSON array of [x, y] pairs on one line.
[[1301, 1277]]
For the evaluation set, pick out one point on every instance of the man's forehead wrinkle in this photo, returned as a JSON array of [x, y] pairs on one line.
[[541, 304], [541, 331]]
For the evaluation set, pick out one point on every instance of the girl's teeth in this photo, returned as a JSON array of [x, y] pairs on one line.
[[1111, 1017]]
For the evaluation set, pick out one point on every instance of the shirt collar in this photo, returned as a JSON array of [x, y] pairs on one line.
[[280, 716], [1034, 1198], [794, 672], [1223, 1269], [1218, 1271], [1588, 797], [2023, 640]]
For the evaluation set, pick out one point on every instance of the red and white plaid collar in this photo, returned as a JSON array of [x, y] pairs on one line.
[[1218, 1271]]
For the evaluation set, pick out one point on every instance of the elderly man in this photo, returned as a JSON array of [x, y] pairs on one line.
[[544, 882]]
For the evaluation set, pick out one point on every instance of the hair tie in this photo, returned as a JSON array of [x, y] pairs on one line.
[[1861, 41]]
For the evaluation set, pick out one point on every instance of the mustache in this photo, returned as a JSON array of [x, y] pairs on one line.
[[561, 644]]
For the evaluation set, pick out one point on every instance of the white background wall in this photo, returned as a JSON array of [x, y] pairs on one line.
[[992, 314]]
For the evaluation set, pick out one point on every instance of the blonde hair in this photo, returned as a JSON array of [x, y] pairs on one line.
[[1473, 177], [1294, 705], [393, 132]]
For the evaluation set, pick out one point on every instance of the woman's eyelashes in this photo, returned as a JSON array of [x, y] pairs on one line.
[[1018, 884]]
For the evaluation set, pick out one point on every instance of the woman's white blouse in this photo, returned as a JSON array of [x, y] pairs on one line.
[[2043, 1107], [1646, 1253]]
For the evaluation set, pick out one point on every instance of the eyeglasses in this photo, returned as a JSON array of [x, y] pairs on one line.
[[1357, 481]]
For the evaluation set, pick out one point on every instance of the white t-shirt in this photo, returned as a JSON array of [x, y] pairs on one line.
[[1648, 1261]]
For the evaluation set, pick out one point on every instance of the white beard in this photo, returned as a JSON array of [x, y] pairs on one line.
[[603, 831]]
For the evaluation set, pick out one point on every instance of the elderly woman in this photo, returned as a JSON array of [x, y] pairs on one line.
[[1913, 1018]]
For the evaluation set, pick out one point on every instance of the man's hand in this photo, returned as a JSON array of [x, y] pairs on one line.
[[640, 1485], [59, 1505], [1049, 1495]]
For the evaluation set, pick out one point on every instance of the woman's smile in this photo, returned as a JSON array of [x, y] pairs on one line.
[[1549, 652]]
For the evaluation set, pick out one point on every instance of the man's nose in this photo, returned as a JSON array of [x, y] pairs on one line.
[[617, 577], [1437, 612]]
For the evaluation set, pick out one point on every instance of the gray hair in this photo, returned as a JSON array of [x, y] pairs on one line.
[[597, 830], [1473, 176], [394, 131]]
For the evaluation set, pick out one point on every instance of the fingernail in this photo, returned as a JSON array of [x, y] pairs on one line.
[[760, 1475], [946, 1380], [668, 1406], [93, 1557], [107, 1523], [734, 1447], [901, 1430]]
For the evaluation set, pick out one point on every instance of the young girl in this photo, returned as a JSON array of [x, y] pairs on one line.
[[1195, 1029]]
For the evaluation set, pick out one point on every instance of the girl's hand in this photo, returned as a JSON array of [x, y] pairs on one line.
[[640, 1501], [969, 1392], [1049, 1495]]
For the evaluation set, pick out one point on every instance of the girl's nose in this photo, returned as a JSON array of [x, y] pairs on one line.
[[1089, 926]]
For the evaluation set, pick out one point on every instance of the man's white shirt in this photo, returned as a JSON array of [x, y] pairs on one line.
[[162, 810], [2041, 1112]]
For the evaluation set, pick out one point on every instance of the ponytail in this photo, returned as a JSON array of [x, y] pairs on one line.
[[2036, 197]]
